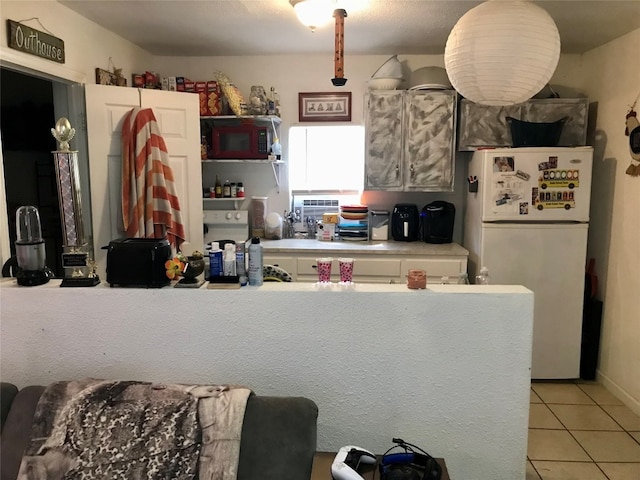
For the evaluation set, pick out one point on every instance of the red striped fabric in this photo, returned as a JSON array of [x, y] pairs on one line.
[[150, 206]]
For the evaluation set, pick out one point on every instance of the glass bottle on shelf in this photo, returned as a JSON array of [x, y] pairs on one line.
[[203, 147], [226, 189], [463, 279], [218, 187], [276, 101], [271, 102], [483, 277]]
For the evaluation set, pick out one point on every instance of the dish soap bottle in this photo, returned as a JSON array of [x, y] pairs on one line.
[[483, 277]]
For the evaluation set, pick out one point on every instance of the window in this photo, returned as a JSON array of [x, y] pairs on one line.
[[326, 158]]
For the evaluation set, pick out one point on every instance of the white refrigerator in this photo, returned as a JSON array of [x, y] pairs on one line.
[[527, 223]]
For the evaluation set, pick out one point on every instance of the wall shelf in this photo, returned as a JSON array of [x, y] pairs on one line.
[[221, 201], [259, 118], [275, 165]]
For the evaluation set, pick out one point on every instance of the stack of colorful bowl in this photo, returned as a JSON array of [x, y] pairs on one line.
[[354, 224]]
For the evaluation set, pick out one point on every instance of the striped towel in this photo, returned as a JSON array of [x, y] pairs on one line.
[[150, 206]]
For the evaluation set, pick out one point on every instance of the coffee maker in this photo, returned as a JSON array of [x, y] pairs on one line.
[[30, 248]]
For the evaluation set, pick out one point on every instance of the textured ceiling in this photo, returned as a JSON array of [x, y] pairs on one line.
[[264, 27]]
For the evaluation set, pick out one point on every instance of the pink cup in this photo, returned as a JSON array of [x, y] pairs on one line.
[[324, 269], [346, 269]]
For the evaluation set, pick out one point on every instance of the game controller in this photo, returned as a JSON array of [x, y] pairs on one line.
[[347, 460]]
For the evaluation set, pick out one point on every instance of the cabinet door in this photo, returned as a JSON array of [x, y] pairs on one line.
[[429, 120], [575, 110], [383, 141], [289, 264], [484, 125]]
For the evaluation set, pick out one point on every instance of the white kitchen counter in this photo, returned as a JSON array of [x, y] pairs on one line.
[[390, 247]]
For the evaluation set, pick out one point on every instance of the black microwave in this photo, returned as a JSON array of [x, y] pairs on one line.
[[240, 141]]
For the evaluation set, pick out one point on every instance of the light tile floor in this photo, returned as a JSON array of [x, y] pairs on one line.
[[580, 431]]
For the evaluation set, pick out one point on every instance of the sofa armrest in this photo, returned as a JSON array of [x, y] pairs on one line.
[[278, 438], [17, 430], [8, 392]]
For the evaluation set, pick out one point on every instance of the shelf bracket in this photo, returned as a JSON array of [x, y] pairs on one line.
[[276, 176]]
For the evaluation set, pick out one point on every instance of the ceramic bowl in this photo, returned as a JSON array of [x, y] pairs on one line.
[[384, 83]]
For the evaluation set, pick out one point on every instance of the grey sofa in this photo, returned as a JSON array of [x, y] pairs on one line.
[[278, 434]]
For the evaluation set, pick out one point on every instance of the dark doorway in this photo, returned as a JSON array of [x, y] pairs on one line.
[[26, 118]]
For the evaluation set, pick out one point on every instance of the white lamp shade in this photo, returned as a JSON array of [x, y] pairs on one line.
[[502, 52]]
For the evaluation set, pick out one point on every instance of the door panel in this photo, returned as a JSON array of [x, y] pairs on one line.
[[106, 108], [177, 114]]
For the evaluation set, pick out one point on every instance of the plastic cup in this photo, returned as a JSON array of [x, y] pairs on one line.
[[346, 270], [324, 269]]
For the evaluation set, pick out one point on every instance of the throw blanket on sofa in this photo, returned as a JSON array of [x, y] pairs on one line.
[[95, 429], [150, 206]]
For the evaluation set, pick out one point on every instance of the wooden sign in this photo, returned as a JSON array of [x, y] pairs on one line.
[[35, 42]]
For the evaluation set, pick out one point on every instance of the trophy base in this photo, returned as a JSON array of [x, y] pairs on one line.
[[80, 282]]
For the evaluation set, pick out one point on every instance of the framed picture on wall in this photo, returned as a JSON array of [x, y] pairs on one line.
[[324, 107], [104, 77]]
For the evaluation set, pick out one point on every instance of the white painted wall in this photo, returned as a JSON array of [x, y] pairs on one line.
[[87, 46], [292, 74], [614, 83], [446, 368]]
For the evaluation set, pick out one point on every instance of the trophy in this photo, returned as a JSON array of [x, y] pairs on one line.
[[79, 269]]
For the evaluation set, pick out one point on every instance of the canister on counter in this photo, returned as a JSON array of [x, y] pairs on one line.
[[379, 225], [258, 212]]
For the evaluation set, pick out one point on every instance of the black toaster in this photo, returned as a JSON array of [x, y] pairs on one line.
[[138, 262]]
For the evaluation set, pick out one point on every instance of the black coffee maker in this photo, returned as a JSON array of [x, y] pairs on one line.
[[405, 222], [437, 219]]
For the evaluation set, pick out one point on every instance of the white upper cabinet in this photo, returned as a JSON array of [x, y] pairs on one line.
[[486, 126], [410, 138]]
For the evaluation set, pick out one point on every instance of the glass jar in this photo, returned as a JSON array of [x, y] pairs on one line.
[[257, 100], [258, 215]]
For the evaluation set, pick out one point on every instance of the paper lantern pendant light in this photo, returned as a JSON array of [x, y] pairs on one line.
[[502, 52]]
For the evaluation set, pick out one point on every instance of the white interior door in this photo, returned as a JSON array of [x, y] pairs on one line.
[[178, 119], [178, 116], [106, 109], [548, 259]]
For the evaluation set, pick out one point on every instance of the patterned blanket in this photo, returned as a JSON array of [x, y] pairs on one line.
[[96, 429]]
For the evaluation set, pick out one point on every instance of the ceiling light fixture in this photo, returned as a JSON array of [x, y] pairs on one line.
[[313, 13], [502, 52]]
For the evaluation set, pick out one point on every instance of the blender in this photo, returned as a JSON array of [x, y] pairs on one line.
[[30, 248]]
